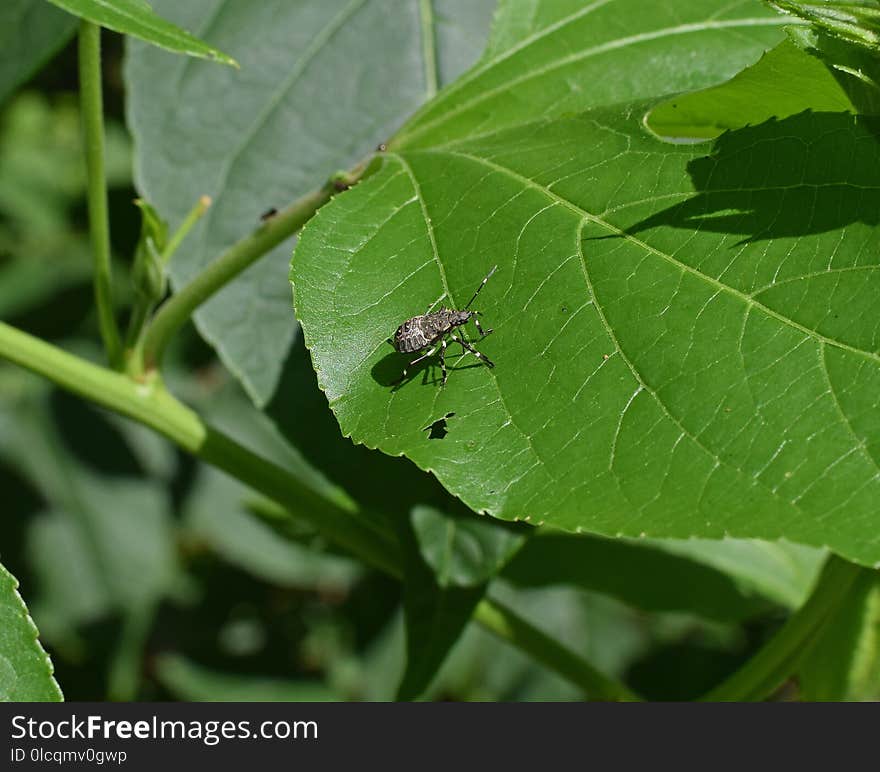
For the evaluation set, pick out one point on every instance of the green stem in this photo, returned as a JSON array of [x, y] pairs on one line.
[[180, 306], [502, 621], [195, 214], [99, 226], [429, 51], [123, 679], [767, 670], [150, 404]]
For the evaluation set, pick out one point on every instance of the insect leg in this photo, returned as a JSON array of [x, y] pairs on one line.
[[414, 362], [465, 345], [443, 345], [428, 353], [483, 333]]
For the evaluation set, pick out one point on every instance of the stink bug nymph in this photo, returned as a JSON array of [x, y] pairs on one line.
[[434, 329]]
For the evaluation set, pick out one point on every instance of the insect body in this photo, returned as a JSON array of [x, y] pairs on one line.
[[434, 329]]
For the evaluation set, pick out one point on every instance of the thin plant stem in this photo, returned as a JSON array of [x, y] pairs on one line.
[[99, 226], [429, 48], [195, 214], [505, 623], [123, 677]]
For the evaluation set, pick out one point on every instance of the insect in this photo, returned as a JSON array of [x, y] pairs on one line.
[[430, 331]]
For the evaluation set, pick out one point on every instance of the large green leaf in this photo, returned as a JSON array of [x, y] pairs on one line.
[[25, 669], [684, 335], [553, 58], [136, 18], [321, 84], [30, 32]]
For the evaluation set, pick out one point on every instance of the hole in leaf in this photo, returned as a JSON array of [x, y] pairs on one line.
[[438, 430]]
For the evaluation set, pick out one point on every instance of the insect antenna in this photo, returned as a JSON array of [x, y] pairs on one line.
[[482, 284]]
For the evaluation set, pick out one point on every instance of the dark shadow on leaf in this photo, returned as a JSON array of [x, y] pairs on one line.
[[387, 371], [807, 174]]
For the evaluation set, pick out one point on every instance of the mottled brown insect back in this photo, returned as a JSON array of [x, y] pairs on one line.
[[421, 331], [431, 328]]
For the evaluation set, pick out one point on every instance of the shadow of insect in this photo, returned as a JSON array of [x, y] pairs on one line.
[[386, 372]]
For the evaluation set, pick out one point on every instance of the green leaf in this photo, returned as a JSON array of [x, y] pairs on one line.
[[25, 668], [30, 33], [683, 335], [148, 271], [845, 663], [554, 58], [214, 516], [463, 551], [856, 68], [780, 571], [451, 560], [435, 618], [130, 524], [108, 540], [69, 592], [601, 629], [784, 82], [136, 18], [327, 82], [855, 22], [194, 683], [483, 667], [643, 575]]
